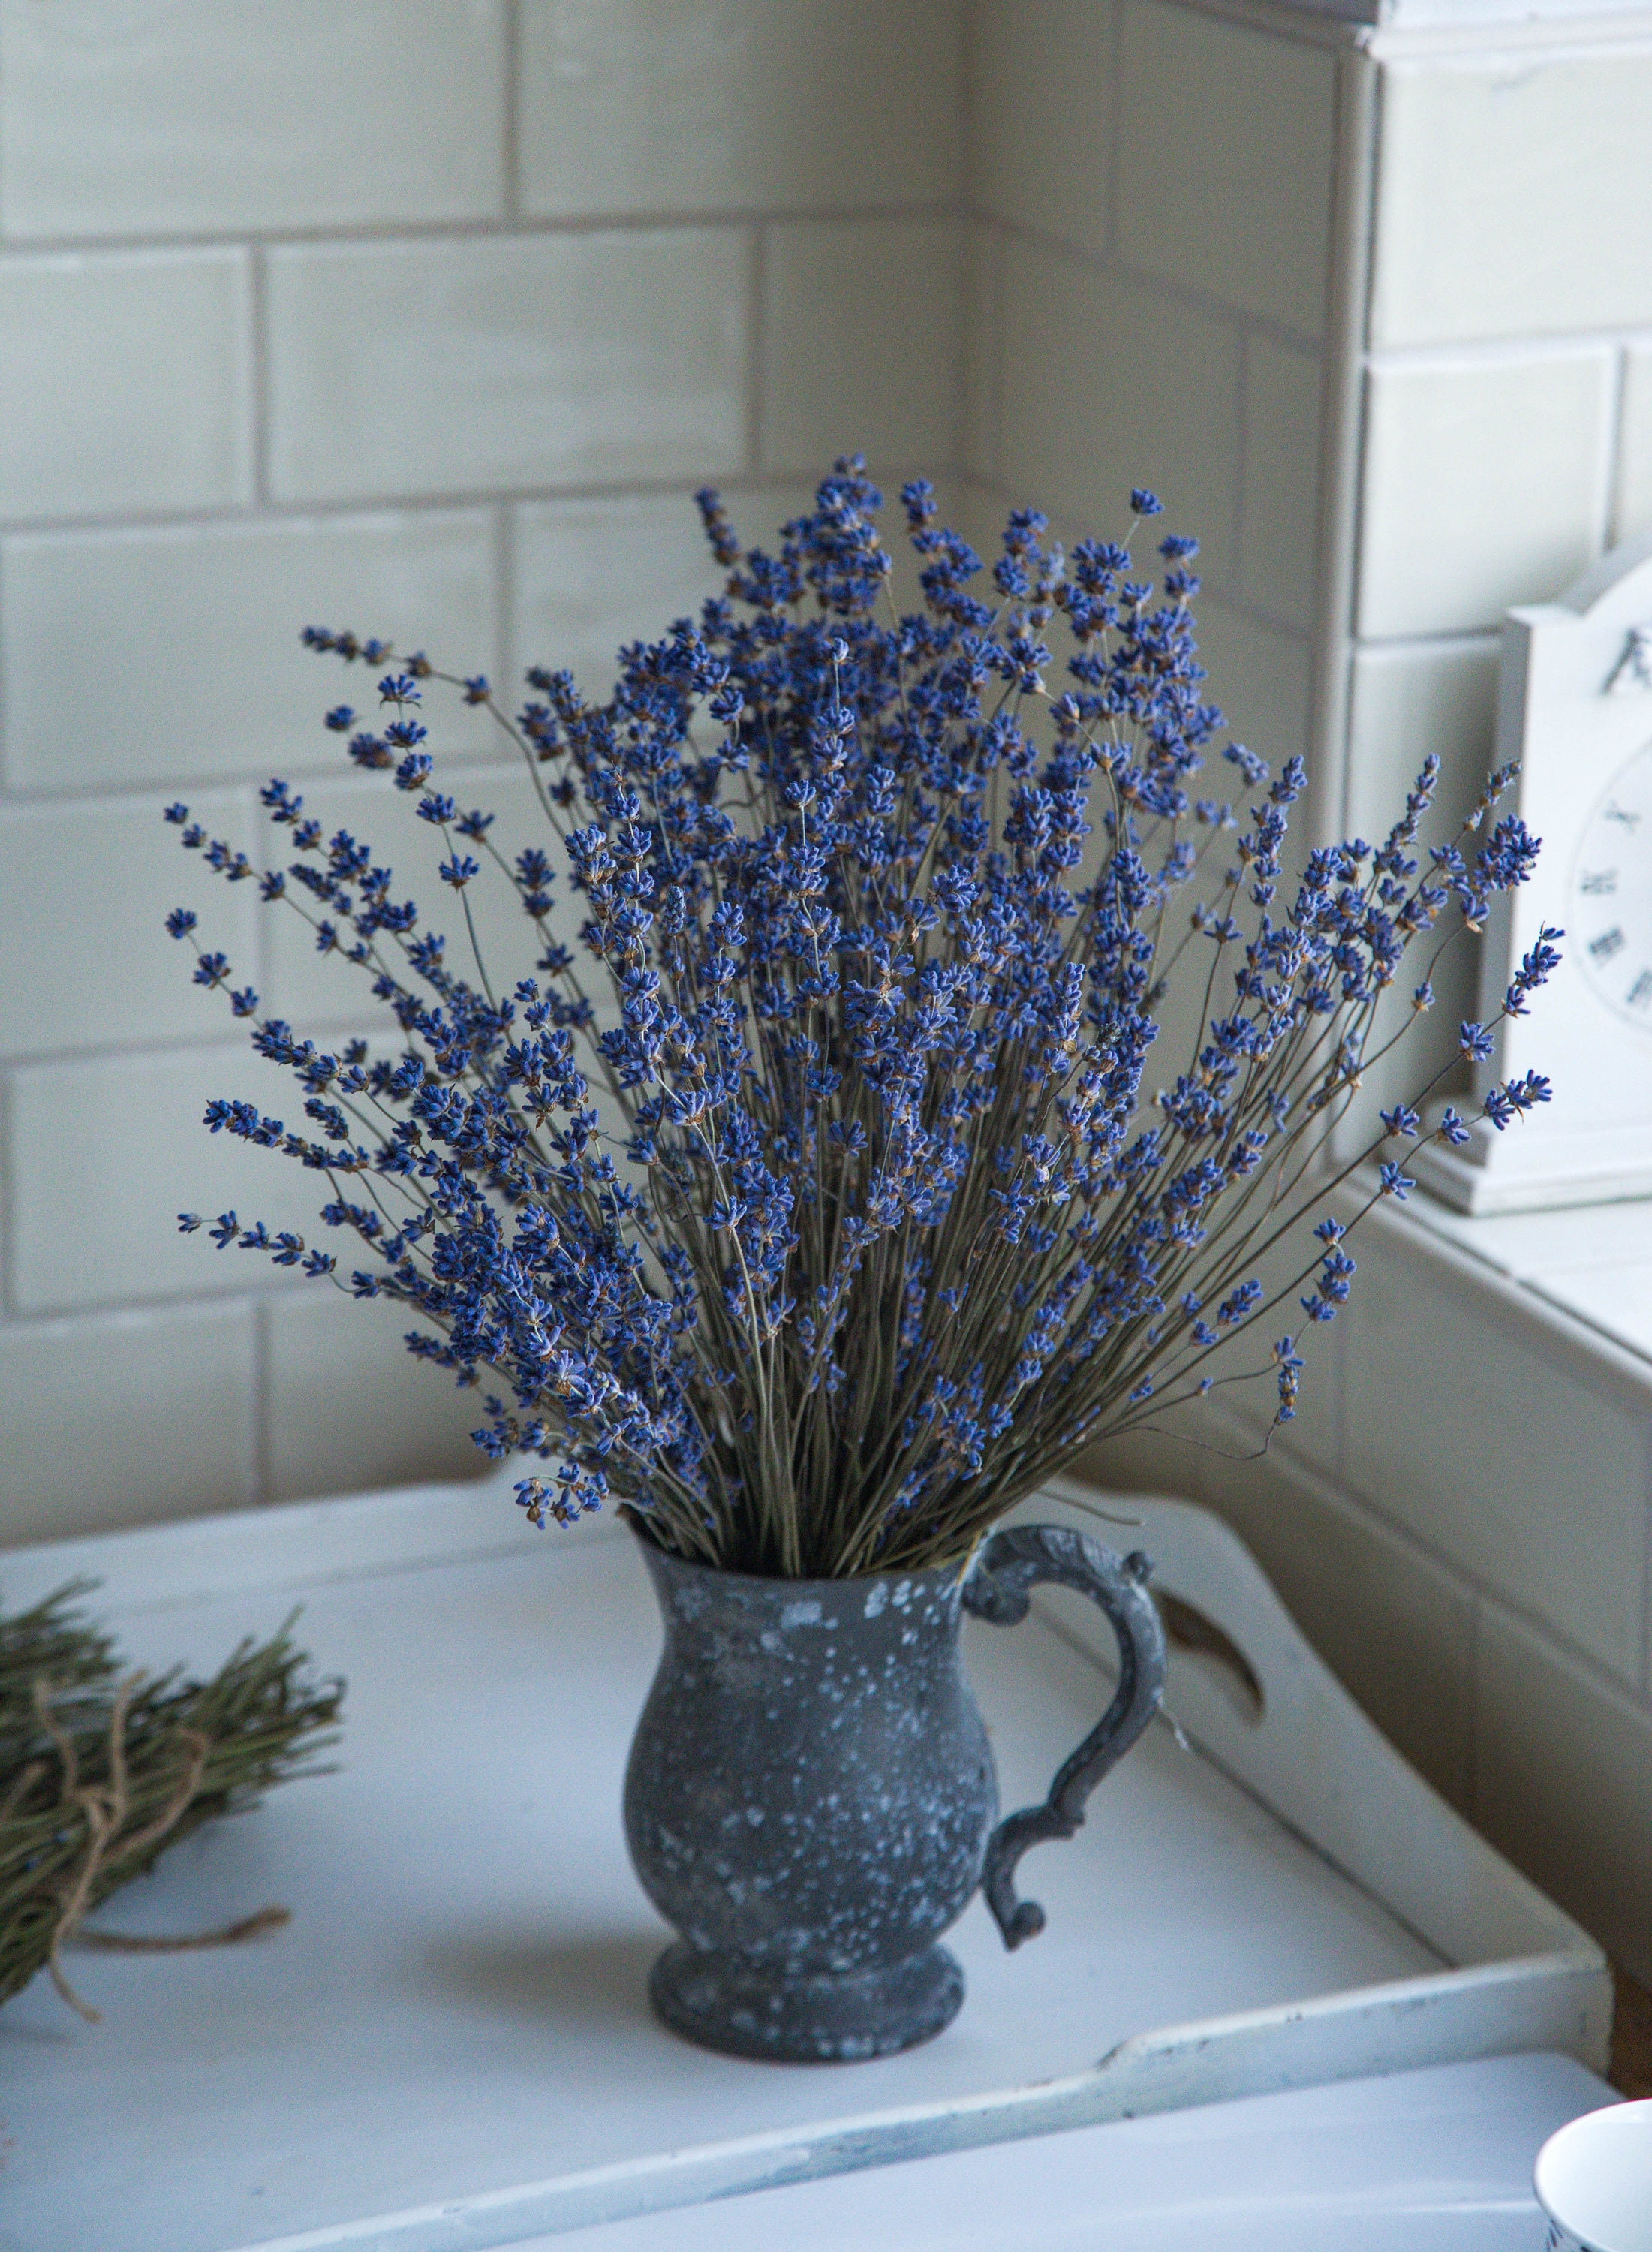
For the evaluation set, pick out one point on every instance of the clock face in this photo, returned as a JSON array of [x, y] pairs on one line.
[[1609, 928]]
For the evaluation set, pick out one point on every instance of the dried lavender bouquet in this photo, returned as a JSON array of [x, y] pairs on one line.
[[802, 1189], [102, 1768]]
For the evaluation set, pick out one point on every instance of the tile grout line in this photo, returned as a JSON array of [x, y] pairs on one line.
[[1110, 266], [403, 234], [507, 654], [1242, 405], [510, 110], [756, 346], [133, 525], [263, 434]]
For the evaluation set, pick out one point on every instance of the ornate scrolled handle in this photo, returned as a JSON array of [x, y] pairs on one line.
[[1009, 1565]]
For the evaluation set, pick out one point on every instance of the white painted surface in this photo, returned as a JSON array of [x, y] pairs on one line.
[[1595, 1260], [1484, 17], [452, 2037], [1437, 2161]]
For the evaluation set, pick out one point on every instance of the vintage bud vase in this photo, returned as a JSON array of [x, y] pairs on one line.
[[810, 1799]]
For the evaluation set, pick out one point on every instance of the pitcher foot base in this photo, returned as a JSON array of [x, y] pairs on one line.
[[722, 2004]]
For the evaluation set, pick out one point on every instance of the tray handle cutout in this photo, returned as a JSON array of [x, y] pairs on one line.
[[1188, 1628]]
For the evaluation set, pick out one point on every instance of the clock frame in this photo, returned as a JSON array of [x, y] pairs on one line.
[[1575, 707]]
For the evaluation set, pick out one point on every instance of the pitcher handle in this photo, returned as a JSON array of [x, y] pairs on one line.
[[1012, 1562]]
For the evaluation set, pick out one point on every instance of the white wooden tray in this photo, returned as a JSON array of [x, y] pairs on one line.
[[1438, 2160], [450, 2046]]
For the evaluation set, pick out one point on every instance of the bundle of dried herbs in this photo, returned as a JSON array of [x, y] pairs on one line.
[[102, 1768]]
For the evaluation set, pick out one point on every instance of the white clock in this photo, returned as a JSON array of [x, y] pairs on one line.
[[1575, 708]]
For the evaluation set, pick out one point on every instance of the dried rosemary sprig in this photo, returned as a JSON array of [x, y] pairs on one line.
[[101, 1768]]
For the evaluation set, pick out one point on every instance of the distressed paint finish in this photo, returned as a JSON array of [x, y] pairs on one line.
[[811, 1799], [807, 1802]]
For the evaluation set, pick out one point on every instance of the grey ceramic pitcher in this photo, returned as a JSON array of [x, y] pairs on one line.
[[810, 1800]]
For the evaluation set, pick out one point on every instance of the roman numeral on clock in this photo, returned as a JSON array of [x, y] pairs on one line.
[[1609, 943], [1640, 994], [1598, 881]]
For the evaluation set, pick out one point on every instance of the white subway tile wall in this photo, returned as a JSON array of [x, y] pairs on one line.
[[88, 963], [1043, 92], [208, 119], [1408, 701], [486, 364], [349, 1407], [169, 655], [648, 105], [1561, 1760], [1485, 485], [1279, 497], [1514, 195], [426, 318], [1411, 700], [578, 564], [107, 1150], [125, 382], [129, 1417], [1109, 382], [860, 343], [1260, 674], [1160, 310], [1225, 136], [1451, 1467]]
